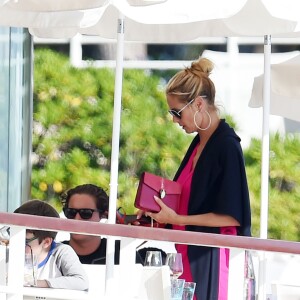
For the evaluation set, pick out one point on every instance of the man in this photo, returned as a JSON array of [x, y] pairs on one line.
[[88, 202]]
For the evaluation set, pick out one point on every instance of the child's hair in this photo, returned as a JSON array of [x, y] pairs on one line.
[[39, 208]]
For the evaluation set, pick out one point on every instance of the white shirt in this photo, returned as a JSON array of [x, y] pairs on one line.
[[62, 269]]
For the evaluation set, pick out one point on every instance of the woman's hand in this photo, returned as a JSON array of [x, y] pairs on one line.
[[140, 213], [165, 216]]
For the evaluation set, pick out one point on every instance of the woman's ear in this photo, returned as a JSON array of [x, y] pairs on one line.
[[199, 103]]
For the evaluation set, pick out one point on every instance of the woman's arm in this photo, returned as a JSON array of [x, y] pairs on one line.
[[209, 220], [169, 216]]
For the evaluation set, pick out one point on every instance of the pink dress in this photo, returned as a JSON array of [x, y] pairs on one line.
[[185, 179]]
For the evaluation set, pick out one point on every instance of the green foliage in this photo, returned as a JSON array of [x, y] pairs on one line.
[[73, 116], [72, 137], [284, 186]]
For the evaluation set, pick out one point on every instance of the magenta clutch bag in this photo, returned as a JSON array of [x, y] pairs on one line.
[[151, 185]]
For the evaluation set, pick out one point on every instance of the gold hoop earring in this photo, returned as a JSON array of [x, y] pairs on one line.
[[209, 123]]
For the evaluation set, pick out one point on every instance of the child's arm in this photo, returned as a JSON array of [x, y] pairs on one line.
[[42, 284], [73, 275]]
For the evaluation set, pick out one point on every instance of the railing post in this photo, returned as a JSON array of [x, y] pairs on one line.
[[127, 262], [262, 287], [3, 265], [3, 269], [236, 274], [76, 50], [16, 262]]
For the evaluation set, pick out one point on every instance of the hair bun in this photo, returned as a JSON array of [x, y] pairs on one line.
[[200, 66]]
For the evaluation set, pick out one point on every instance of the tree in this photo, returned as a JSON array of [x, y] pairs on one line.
[[284, 187], [72, 132]]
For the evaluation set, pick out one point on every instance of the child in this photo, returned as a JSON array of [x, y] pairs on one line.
[[58, 264]]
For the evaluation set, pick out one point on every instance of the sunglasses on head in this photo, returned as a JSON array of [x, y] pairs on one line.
[[85, 213], [177, 113]]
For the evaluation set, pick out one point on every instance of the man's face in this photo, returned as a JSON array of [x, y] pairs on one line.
[[83, 201]]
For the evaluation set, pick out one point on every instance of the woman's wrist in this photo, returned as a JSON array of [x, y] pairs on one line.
[[181, 220]]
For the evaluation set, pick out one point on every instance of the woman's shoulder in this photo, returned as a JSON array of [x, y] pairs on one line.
[[225, 138]]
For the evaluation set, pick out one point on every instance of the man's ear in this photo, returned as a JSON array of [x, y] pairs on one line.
[[105, 214]]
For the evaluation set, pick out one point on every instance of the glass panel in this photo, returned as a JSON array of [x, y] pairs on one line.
[[4, 114], [16, 115]]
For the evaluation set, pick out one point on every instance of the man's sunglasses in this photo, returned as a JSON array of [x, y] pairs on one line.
[[177, 113], [85, 213]]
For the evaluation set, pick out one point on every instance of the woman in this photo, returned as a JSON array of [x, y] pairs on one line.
[[215, 196]]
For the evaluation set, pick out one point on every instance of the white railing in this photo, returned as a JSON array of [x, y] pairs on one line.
[[76, 43], [130, 237]]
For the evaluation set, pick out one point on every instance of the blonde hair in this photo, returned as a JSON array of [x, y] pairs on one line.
[[193, 81]]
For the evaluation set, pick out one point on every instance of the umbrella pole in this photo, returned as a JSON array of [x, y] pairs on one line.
[[110, 248], [265, 164]]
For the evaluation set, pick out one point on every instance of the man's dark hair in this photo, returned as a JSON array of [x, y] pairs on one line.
[[102, 200], [39, 208]]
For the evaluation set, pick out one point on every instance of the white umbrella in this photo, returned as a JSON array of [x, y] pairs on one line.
[[174, 22], [285, 89], [52, 5], [170, 20]]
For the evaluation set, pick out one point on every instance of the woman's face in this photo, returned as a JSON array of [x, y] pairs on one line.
[[186, 120]]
